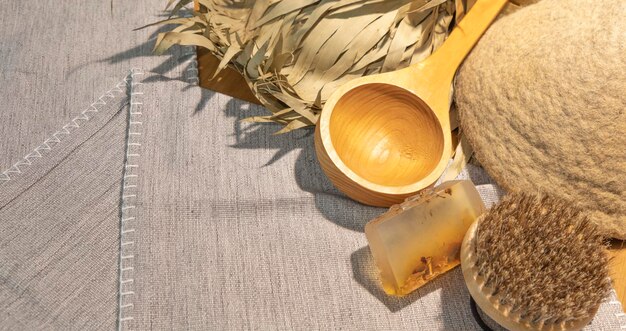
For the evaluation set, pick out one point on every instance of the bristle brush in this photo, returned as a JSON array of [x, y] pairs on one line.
[[535, 263]]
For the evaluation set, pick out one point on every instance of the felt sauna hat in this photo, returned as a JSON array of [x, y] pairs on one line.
[[542, 100]]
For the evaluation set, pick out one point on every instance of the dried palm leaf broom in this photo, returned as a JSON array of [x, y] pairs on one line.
[[294, 53]]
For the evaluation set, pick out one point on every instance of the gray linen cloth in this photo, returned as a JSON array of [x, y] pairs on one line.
[[140, 201]]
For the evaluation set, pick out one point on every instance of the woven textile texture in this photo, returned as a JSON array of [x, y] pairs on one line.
[[198, 221], [542, 98], [59, 225], [239, 229], [63, 109]]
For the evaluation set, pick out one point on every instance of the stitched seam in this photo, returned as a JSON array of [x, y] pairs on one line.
[[128, 209], [192, 71], [128, 216], [621, 316], [54, 167], [66, 130]]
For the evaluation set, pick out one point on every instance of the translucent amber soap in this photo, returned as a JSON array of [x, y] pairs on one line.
[[420, 239]]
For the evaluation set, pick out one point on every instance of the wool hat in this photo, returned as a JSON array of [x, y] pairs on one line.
[[542, 100]]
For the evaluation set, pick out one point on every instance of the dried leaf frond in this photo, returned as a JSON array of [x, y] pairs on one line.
[[294, 54]]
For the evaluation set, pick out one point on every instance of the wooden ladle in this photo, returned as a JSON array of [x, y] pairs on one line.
[[385, 137]]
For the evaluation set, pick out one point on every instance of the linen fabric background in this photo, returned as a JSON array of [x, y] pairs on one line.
[[233, 228]]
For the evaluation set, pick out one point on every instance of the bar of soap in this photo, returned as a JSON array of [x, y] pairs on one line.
[[420, 239]]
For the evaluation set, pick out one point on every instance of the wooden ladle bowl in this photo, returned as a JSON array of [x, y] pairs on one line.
[[386, 134], [385, 137]]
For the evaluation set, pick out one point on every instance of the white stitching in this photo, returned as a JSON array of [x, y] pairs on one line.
[[55, 138], [128, 211], [24, 161], [621, 316], [192, 71]]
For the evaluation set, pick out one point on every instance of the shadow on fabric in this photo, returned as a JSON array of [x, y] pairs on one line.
[[178, 64], [455, 308], [331, 203]]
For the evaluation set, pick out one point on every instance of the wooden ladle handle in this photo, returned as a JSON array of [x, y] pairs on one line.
[[390, 133], [451, 54]]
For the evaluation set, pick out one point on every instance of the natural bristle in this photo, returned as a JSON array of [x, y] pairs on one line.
[[542, 258]]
